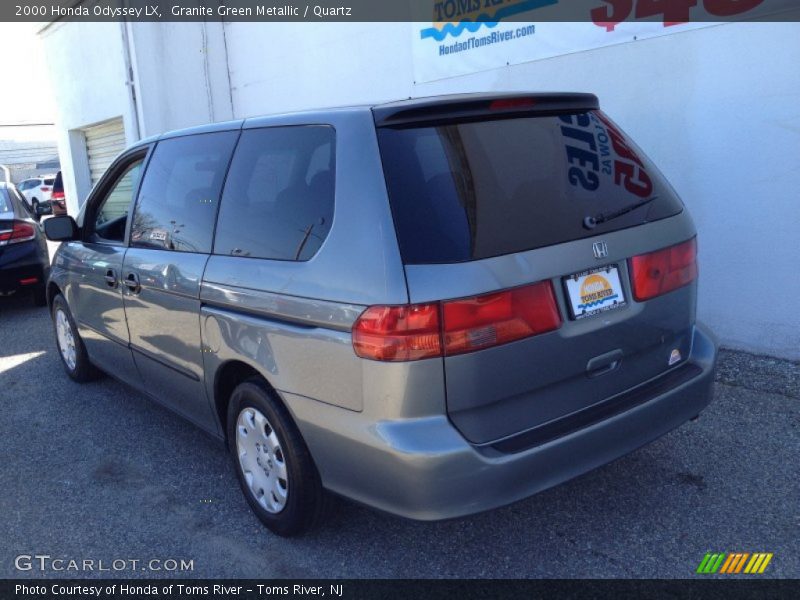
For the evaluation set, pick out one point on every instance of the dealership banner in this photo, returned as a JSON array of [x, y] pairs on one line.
[[469, 36]]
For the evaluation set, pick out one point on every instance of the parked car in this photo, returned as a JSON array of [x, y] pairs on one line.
[[24, 261], [434, 307], [37, 191], [58, 201]]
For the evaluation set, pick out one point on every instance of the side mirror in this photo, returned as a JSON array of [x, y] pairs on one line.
[[61, 229]]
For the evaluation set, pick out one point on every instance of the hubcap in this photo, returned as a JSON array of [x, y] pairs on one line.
[[66, 341], [262, 460]]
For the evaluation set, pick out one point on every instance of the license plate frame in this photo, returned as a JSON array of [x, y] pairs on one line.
[[590, 297]]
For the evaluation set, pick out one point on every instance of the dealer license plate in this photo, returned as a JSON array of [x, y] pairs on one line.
[[595, 291]]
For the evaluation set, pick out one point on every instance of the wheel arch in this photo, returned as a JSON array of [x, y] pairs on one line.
[[52, 291], [227, 376]]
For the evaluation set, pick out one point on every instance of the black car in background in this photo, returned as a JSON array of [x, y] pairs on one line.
[[24, 261]]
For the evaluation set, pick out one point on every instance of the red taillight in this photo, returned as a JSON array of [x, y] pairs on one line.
[[413, 332], [664, 270], [499, 318], [45, 189], [511, 103], [57, 195], [398, 333], [19, 232], [28, 281]]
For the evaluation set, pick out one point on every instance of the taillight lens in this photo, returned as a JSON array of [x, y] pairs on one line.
[[20, 232], [662, 271], [413, 332], [45, 189], [57, 195], [499, 318], [398, 333], [512, 103]]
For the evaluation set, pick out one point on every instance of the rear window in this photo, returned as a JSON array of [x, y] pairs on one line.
[[49, 181], [469, 191]]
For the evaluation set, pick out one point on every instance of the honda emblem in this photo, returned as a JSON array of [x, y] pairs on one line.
[[600, 249]]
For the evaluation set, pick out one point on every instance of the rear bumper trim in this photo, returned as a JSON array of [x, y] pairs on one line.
[[598, 412]]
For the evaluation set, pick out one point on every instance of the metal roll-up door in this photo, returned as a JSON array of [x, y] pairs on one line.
[[103, 143]]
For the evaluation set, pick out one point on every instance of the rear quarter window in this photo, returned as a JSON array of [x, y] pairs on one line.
[[474, 190], [279, 195]]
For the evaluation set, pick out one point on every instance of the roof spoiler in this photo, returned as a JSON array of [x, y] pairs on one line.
[[466, 107]]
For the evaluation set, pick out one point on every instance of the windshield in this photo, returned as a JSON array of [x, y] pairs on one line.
[[475, 190]]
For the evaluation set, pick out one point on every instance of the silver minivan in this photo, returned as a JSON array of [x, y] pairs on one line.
[[434, 307]]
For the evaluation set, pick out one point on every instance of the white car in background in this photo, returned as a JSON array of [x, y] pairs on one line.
[[37, 191]]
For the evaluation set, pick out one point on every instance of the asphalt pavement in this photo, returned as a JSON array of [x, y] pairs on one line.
[[98, 472]]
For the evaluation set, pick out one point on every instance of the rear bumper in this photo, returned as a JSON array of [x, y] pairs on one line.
[[21, 262], [424, 469]]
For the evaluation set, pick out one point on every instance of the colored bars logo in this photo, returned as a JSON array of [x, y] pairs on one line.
[[732, 563]]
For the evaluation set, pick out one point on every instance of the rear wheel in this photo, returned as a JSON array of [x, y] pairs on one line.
[[70, 346], [274, 466]]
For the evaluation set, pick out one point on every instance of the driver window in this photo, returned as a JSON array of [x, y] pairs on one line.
[[112, 214]]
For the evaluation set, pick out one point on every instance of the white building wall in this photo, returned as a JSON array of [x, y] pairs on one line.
[[716, 108], [179, 79], [181, 75], [87, 74]]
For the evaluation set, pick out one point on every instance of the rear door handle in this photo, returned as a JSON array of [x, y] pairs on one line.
[[605, 363], [131, 282], [111, 278]]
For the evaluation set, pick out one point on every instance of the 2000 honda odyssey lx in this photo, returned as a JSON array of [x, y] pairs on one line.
[[434, 307]]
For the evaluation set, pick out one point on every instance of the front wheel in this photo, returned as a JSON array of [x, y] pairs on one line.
[[70, 345], [274, 466]]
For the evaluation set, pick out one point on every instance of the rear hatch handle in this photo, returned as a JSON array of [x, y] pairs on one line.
[[605, 363]]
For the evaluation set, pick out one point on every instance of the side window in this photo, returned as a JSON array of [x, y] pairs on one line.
[[279, 195], [180, 192], [23, 186], [111, 216], [5, 201]]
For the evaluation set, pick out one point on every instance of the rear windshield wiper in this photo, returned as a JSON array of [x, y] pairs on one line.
[[592, 221]]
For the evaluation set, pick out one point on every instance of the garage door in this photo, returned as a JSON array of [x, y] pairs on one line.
[[103, 143]]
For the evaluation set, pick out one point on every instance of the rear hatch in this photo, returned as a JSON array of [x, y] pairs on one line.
[[493, 194]]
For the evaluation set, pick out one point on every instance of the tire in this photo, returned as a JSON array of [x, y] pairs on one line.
[[273, 464], [76, 362], [40, 296]]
